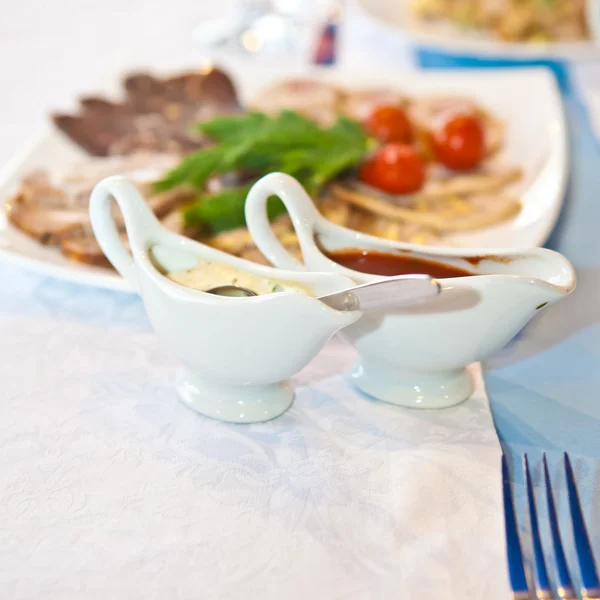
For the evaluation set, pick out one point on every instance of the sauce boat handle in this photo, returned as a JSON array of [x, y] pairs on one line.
[[305, 218], [140, 223]]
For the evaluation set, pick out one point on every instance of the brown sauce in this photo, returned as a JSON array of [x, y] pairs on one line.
[[382, 263], [475, 260]]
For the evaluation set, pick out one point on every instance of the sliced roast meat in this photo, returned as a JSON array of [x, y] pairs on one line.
[[49, 226], [84, 250], [485, 180], [313, 99], [218, 89], [359, 104], [174, 222], [144, 93], [72, 189], [163, 204], [140, 166], [87, 132], [157, 114], [55, 211], [430, 113]]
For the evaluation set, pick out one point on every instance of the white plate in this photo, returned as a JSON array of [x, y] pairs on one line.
[[397, 16], [527, 100]]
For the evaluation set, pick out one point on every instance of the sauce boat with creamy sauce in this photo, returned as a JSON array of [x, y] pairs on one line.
[[417, 356], [237, 352]]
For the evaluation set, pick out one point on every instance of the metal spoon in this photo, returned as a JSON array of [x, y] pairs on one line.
[[393, 292], [234, 291]]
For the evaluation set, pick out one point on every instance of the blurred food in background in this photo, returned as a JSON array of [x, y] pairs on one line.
[[513, 20]]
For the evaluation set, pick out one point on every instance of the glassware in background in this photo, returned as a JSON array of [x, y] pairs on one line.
[[300, 31]]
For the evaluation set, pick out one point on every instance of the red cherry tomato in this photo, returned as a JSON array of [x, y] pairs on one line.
[[460, 143], [395, 169], [389, 123]]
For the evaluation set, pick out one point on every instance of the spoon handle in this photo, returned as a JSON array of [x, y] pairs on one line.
[[393, 292]]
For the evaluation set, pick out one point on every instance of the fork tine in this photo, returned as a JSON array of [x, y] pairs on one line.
[[589, 576], [542, 582], [516, 569], [565, 585]]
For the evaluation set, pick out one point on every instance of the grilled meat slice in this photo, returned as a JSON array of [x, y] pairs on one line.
[[157, 114], [55, 210]]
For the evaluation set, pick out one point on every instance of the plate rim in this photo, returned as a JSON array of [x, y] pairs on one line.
[[74, 272]]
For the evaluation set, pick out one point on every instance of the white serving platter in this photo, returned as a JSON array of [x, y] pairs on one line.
[[527, 100]]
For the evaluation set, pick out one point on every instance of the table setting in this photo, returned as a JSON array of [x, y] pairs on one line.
[[299, 299]]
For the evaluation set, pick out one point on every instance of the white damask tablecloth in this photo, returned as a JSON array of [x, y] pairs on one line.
[[112, 488]]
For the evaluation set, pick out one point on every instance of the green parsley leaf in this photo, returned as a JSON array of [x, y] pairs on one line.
[[257, 143], [224, 210]]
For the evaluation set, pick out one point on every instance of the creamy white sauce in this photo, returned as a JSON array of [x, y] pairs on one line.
[[209, 274]]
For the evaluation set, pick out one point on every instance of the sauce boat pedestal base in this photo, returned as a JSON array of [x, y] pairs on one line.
[[233, 403], [412, 389]]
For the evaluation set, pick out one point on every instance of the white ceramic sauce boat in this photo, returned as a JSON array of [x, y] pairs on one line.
[[238, 352], [417, 356]]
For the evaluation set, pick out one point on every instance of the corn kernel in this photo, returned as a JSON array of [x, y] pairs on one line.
[[420, 238], [422, 205], [459, 205]]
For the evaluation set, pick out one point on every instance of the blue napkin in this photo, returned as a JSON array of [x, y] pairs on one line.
[[544, 388], [432, 59]]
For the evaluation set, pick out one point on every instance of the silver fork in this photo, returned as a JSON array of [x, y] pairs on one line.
[[590, 584]]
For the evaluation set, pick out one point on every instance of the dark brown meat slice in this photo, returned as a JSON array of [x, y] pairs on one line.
[[157, 114], [143, 93], [85, 132], [218, 89]]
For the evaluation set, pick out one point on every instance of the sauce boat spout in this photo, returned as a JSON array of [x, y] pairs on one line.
[[537, 275], [140, 222]]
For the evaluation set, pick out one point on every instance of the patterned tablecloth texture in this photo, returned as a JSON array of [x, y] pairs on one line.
[[112, 488]]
